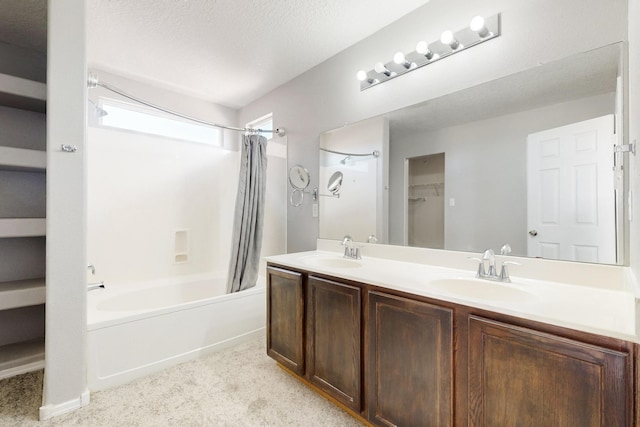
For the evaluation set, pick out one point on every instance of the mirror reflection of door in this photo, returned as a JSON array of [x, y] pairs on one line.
[[571, 206], [425, 203]]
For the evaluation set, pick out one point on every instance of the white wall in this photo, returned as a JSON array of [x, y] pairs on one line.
[[634, 129], [328, 96], [490, 196], [143, 188], [66, 298]]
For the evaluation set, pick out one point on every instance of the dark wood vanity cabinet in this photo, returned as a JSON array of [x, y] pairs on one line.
[[519, 376], [334, 342], [285, 318], [396, 359], [410, 362]]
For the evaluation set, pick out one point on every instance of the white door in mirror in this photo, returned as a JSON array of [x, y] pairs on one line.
[[571, 199]]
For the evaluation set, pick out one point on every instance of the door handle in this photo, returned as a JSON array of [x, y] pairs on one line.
[[533, 233]]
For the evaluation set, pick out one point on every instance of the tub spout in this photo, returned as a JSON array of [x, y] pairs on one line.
[[94, 286]]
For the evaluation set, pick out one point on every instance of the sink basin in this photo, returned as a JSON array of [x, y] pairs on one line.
[[484, 290], [331, 262]]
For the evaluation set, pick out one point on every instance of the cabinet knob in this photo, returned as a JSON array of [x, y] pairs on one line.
[[533, 233]]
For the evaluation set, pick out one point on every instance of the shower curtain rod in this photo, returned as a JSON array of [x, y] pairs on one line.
[[93, 82], [375, 153]]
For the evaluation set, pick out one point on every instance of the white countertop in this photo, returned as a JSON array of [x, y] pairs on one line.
[[608, 310]]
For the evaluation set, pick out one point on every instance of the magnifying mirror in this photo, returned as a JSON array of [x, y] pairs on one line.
[[335, 182], [298, 177]]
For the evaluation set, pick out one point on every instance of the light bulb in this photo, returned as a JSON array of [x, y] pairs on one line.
[[381, 69], [447, 38], [478, 25], [400, 59], [362, 75], [423, 49]]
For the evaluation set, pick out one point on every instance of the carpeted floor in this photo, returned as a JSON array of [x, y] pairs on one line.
[[236, 387]]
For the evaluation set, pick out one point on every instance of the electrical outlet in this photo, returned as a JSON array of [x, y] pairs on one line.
[[315, 210]]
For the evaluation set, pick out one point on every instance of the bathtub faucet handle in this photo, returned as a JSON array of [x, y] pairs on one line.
[[92, 268]]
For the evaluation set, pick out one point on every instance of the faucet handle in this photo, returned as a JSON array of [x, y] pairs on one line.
[[504, 272], [481, 271], [505, 249], [356, 252]]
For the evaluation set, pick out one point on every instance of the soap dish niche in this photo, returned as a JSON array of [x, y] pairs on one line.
[[181, 247]]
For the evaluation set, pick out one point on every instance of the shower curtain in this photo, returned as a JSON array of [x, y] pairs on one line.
[[248, 222]]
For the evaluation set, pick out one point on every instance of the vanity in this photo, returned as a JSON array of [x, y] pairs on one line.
[[409, 337]]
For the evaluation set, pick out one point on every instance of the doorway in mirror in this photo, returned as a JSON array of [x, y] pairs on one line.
[[425, 201]]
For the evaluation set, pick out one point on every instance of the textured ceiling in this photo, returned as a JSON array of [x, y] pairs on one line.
[[228, 51]]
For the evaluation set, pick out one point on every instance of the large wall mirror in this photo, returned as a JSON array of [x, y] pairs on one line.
[[528, 160]]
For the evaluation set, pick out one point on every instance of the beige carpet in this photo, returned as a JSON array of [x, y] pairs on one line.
[[240, 386]]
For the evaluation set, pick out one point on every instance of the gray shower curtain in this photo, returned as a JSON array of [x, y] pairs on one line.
[[249, 215]]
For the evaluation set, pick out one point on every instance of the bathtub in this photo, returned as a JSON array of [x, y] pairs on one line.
[[135, 329]]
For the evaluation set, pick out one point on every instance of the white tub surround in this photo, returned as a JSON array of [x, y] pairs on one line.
[[138, 329], [599, 299]]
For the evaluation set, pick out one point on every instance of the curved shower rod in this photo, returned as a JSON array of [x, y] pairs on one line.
[[375, 153], [93, 82]]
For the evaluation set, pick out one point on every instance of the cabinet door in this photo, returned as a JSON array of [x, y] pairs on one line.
[[285, 318], [410, 362], [334, 319], [522, 377]]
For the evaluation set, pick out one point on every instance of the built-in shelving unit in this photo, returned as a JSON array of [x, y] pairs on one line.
[[21, 293], [16, 92], [22, 159], [20, 358], [23, 163], [22, 227]]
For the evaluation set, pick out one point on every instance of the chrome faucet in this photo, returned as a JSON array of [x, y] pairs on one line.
[[490, 256], [349, 250], [492, 273], [94, 286]]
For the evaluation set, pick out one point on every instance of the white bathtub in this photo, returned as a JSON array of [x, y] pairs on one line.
[[136, 329]]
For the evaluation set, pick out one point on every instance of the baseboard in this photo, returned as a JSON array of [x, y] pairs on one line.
[[50, 411]]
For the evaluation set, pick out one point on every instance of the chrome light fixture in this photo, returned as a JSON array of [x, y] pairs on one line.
[[480, 30]]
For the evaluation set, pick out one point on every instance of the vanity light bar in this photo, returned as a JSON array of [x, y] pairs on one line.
[[479, 31]]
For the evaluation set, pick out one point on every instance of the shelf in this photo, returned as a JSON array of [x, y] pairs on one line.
[[22, 227], [16, 92], [22, 293], [20, 358], [23, 160]]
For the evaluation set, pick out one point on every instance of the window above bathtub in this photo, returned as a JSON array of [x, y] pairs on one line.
[[265, 123], [136, 118]]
